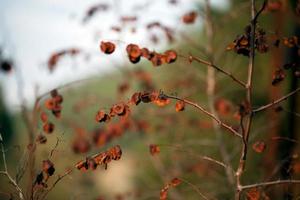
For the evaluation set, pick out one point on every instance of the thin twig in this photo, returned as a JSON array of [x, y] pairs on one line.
[[6, 173], [59, 178], [240, 82], [271, 183], [195, 188], [249, 85], [221, 123], [262, 108], [285, 139], [207, 158]]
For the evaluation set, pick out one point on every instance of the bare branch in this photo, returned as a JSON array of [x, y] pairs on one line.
[[192, 58], [271, 183], [249, 85], [285, 139], [209, 114], [260, 11], [207, 158], [195, 188], [59, 178], [5, 172], [262, 108]]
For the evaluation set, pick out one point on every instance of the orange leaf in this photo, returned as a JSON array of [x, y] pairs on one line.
[[259, 146], [154, 149], [107, 47], [180, 105]]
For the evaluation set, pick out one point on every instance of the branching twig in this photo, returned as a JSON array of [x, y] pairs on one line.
[[59, 178], [221, 123], [6, 173], [262, 108], [249, 85]]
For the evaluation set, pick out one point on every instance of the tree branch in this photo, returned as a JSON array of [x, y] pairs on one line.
[[262, 108], [199, 60], [195, 188], [209, 114], [249, 85], [271, 183], [59, 178], [5, 172]]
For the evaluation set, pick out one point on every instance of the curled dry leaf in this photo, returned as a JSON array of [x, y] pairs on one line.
[[244, 109], [164, 191], [154, 149], [53, 104], [179, 106], [48, 127], [49, 104], [41, 139], [101, 116], [146, 97], [278, 76], [39, 180], [103, 158], [171, 56], [115, 152], [223, 106], [259, 146], [134, 53], [158, 59], [162, 101], [175, 182], [118, 109], [146, 53], [48, 167], [253, 194], [44, 117], [241, 45], [107, 47], [189, 18], [136, 98], [290, 41]]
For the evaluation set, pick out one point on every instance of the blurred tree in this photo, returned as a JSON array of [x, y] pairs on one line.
[[5, 121], [5, 118]]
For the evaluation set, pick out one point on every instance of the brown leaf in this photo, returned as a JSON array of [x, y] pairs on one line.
[[259, 146], [253, 194], [179, 106], [48, 127], [189, 18], [154, 149], [107, 47], [101, 116]]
